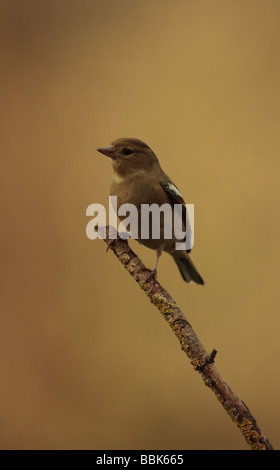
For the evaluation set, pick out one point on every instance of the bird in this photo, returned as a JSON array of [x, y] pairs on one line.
[[139, 179]]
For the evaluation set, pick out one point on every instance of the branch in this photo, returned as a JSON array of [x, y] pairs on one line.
[[190, 344]]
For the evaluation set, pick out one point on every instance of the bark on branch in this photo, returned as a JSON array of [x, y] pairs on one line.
[[190, 344]]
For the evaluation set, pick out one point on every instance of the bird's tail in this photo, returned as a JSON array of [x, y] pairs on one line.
[[187, 268]]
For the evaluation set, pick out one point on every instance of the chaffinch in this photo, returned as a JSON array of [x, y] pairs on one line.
[[138, 179]]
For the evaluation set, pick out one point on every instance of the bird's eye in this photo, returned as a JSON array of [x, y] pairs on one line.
[[127, 151]]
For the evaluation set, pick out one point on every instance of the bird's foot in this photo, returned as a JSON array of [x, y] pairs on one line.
[[117, 236], [152, 276], [111, 244], [154, 273]]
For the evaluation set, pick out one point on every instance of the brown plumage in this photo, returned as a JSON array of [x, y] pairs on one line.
[[139, 179]]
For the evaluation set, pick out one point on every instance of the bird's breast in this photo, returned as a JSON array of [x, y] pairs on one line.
[[137, 190]]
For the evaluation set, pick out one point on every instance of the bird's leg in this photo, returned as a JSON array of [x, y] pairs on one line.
[[154, 271]]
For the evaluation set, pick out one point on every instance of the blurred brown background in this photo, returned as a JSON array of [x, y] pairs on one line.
[[86, 360]]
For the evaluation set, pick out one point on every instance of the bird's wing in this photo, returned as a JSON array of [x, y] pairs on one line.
[[175, 197]]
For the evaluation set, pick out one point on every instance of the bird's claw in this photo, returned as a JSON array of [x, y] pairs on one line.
[[111, 243]]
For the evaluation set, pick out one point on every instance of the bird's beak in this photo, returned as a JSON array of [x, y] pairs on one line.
[[108, 151]]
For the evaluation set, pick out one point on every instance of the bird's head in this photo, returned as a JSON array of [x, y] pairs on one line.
[[129, 156]]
